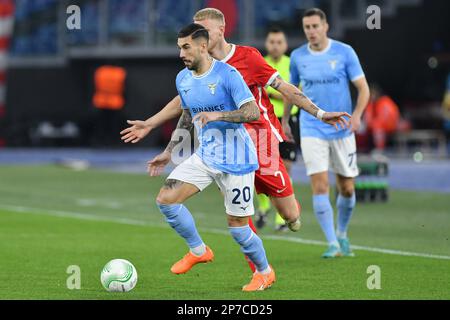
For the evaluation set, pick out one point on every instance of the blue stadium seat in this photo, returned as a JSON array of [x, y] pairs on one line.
[[128, 16], [272, 12], [173, 14], [35, 27]]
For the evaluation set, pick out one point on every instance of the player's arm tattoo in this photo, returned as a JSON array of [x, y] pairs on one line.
[[248, 112], [305, 103], [293, 95], [276, 83], [185, 123]]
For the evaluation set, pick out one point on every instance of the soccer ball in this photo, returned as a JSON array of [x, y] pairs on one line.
[[119, 275]]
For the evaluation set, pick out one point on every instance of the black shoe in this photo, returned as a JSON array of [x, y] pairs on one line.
[[261, 219]]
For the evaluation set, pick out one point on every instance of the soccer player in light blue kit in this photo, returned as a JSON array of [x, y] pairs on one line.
[[216, 100], [324, 67]]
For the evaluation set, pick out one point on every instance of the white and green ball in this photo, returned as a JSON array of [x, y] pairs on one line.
[[119, 275]]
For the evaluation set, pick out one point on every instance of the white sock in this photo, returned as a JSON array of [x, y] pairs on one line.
[[199, 251], [266, 270], [335, 243], [341, 235]]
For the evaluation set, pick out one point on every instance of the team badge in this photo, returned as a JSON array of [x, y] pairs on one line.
[[212, 87], [332, 63]]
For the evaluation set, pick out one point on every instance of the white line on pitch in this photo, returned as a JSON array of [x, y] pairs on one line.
[[92, 217]]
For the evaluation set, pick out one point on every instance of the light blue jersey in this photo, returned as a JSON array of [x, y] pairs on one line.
[[324, 77], [224, 146]]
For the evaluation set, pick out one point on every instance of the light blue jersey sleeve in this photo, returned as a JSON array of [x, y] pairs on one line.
[[293, 70], [237, 87], [353, 66], [183, 103], [177, 84]]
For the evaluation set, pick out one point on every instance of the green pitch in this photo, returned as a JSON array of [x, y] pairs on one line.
[[51, 218]]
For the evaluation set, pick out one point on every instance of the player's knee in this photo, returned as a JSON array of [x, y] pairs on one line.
[[168, 204], [166, 197], [289, 211], [321, 188], [347, 191], [234, 221], [320, 184]]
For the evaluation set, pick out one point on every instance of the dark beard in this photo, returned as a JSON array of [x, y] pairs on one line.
[[194, 66]]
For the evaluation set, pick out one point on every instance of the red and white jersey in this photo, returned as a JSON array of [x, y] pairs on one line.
[[257, 74]]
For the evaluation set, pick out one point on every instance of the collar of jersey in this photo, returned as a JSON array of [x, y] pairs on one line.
[[206, 73], [317, 53], [230, 54]]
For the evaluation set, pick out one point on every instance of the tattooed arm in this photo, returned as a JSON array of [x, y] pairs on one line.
[[292, 95], [248, 112], [184, 123], [156, 166]]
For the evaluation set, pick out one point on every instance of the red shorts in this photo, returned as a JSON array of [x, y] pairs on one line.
[[277, 184], [271, 178]]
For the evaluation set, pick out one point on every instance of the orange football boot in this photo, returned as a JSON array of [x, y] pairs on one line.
[[190, 260], [260, 281]]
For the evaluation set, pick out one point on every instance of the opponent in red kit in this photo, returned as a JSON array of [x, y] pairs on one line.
[[271, 178]]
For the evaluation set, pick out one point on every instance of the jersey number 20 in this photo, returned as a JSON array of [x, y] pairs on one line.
[[246, 196]]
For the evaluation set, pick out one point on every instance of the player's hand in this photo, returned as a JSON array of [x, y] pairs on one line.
[[336, 119], [355, 123], [136, 132], [156, 166], [287, 131], [205, 117]]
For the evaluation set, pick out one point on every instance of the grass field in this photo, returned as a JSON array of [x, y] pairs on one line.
[[52, 217]]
